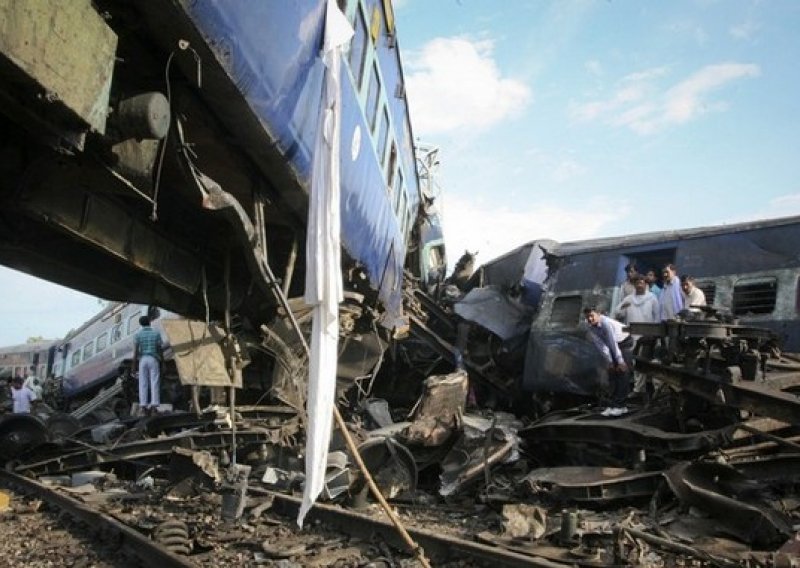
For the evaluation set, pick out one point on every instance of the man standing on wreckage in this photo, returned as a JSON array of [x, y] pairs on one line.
[[616, 346]]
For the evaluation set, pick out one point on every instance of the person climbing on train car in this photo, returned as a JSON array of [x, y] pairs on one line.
[[616, 346], [22, 396], [147, 352], [671, 298]]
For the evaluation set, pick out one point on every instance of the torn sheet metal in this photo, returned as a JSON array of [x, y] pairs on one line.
[[732, 499], [598, 485], [439, 410], [483, 445], [491, 308], [198, 353]]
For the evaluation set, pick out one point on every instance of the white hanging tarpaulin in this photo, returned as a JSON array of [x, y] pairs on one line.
[[323, 263]]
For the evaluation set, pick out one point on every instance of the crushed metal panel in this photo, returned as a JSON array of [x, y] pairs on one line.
[[198, 354], [731, 498], [62, 52], [491, 308]]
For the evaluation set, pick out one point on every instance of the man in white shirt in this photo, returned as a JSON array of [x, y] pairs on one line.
[[22, 396], [692, 295], [616, 346], [641, 306]]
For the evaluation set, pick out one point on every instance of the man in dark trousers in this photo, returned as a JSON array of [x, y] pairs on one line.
[[616, 346], [147, 352]]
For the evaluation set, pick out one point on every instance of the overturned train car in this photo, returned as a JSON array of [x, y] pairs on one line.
[[160, 153], [749, 271]]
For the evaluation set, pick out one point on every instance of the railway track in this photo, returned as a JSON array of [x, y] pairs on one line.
[[330, 523]]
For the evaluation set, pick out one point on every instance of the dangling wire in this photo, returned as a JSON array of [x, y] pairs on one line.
[[183, 45]]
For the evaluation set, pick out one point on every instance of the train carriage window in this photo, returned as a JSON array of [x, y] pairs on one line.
[[383, 135], [754, 296], [373, 95], [358, 48], [710, 291], [116, 333], [566, 312], [75, 360], [88, 350], [391, 169], [102, 342], [133, 323]]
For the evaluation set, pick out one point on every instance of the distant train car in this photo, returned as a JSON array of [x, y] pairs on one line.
[[173, 166], [35, 358]]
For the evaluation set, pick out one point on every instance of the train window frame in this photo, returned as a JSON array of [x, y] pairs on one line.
[[373, 100], [75, 358], [116, 333], [360, 41], [102, 342], [751, 286], [575, 301], [383, 134], [392, 169], [87, 351], [133, 324]]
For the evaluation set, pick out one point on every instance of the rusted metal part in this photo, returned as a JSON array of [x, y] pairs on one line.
[[148, 552], [632, 431], [438, 412], [732, 499], [672, 546], [94, 456], [747, 395], [593, 484], [440, 548]]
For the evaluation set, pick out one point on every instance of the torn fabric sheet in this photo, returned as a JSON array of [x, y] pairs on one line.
[[323, 263]]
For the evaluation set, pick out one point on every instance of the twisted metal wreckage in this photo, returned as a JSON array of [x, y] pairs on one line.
[[703, 468]]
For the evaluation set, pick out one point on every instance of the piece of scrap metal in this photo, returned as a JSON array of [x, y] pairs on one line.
[[593, 485]]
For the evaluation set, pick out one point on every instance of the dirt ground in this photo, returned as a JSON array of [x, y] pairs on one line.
[[32, 534]]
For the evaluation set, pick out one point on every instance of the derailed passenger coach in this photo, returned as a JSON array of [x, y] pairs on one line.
[[749, 270], [160, 153]]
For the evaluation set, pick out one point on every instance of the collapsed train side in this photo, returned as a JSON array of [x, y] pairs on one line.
[[160, 153]]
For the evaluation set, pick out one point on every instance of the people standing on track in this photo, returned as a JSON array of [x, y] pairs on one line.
[[147, 352]]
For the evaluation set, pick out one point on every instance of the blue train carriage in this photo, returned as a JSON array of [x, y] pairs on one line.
[[169, 165], [750, 270]]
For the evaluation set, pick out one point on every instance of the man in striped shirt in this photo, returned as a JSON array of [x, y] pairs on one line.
[[147, 352]]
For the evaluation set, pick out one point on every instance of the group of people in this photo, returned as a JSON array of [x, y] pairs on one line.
[[148, 353], [645, 300]]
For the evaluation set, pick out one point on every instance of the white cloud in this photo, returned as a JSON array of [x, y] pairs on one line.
[[493, 231], [454, 84], [640, 105], [782, 206], [745, 31]]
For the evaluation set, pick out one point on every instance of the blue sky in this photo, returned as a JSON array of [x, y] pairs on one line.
[[575, 119]]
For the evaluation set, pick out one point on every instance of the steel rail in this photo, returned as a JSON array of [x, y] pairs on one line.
[[438, 547], [147, 551]]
